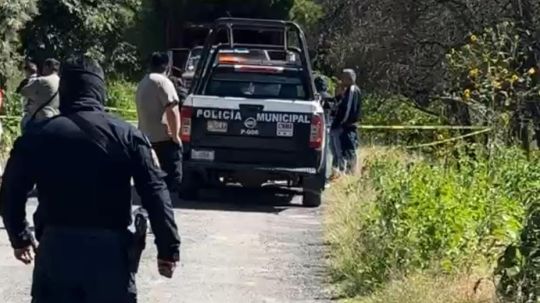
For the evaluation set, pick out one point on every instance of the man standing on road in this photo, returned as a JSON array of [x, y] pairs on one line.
[[83, 173], [159, 118], [42, 94], [343, 135], [30, 74]]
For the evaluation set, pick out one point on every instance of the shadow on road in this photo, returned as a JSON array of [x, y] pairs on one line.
[[234, 198]]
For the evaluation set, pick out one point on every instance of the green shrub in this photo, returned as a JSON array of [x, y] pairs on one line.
[[407, 214], [121, 99], [392, 111], [519, 267], [12, 111]]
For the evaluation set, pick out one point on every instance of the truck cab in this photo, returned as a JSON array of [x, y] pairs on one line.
[[252, 115]]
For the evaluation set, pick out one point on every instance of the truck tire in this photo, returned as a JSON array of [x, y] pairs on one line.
[[313, 186], [312, 191]]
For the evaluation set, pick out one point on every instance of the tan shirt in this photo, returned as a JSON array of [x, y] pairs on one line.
[[154, 94], [38, 92]]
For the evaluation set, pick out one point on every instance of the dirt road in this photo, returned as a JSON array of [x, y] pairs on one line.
[[243, 247]]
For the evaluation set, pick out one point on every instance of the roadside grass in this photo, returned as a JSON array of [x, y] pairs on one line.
[[426, 288], [415, 229]]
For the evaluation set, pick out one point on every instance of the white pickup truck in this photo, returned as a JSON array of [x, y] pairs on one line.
[[251, 121]]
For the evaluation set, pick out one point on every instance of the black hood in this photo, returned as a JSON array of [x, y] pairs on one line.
[[82, 86]]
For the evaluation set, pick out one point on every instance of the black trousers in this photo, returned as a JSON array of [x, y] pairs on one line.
[[83, 266], [169, 155]]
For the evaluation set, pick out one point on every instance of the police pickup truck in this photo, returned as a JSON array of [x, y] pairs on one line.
[[251, 121]]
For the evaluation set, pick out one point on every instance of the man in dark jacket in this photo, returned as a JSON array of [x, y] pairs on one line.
[[82, 162], [343, 135]]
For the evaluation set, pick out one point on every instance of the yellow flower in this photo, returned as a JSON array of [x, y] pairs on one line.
[[467, 94], [474, 38], [532, 71], [514, 79], [473, 73]]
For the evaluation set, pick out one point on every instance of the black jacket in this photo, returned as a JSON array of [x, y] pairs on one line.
[[348, 109], [79, 184]]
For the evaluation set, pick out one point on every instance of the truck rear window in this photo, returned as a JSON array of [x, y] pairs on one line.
[[256, 85]]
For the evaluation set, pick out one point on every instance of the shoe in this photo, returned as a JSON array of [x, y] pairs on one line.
[[334, 177]]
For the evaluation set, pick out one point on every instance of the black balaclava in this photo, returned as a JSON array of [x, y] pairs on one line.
[[82, 85]]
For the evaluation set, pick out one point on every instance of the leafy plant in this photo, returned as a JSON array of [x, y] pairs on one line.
[[12, 110], [409, 213], [14, 14], [96, 28], [519, 267], [492, 78], [121, 97]]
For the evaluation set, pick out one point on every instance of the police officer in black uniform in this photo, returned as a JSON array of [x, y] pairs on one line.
[[82, 163]]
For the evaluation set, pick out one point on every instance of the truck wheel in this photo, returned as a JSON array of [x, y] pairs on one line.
[[312, 191], [312, 199]]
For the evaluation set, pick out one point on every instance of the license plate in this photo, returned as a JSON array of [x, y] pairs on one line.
[[207, 155], [216, 126], [285, 129]]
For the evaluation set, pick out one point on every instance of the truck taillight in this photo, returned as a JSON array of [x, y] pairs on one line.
[[317, 132], [185, 117]]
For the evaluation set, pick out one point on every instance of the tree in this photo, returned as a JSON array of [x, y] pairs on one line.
[[175, 15], [13, 16], [399, 47], [91, 26]]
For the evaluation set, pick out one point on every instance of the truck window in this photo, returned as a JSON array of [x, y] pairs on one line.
[[256, 86]]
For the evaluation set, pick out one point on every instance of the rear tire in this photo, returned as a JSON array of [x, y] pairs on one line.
[[312, 198], [312, 191]]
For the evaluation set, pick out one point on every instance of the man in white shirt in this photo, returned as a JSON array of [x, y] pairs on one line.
[[42, 94], [159, 118]]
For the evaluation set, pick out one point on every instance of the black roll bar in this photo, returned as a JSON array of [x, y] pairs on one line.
[[232, 24]]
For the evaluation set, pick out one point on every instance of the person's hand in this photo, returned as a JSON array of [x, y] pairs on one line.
[[166, 268], [25, 255]]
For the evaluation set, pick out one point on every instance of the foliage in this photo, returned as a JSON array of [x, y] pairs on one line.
[[121, 97], [209, 10], [12, 109], [13, 16], [407, 214], [400, 46], [306, 13], [432, 288], [519, 266], [490, 76], [397, 110], [97, 28]]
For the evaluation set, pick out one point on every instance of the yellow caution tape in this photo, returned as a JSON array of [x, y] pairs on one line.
[[421, 127], [450, 139]]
